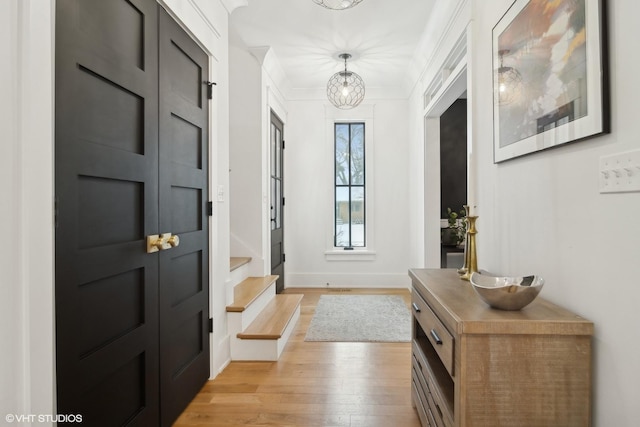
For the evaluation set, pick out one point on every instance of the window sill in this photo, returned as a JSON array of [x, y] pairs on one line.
[[354, 255]]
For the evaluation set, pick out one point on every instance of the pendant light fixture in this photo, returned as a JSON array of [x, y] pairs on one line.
[[345, 89], [337, 4], [509, 81]]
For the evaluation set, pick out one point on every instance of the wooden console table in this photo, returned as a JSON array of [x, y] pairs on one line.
[[477, 366]]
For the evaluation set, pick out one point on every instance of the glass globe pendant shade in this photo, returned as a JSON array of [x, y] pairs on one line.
[[345, 89], [509, 81], [337, 4], [509, 85]]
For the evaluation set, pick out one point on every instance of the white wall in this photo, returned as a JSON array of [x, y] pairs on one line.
[[27, 360], [11, 366], [309, 190], [257, 80], [26, 164], [246, 153], [416, 166], [543, 214]]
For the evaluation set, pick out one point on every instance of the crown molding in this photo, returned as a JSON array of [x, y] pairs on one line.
[[433, 43], [232, 5]]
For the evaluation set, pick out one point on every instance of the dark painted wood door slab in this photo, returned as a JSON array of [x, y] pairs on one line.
[[107, 197], [277, 200], [184, 270]]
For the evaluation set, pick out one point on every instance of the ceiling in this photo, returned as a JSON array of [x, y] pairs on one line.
[[381, 35]]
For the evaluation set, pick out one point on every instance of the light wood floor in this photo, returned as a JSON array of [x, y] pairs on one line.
[[313, 384]]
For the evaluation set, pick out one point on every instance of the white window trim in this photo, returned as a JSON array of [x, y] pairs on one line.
[[339, 254], [362, 114]]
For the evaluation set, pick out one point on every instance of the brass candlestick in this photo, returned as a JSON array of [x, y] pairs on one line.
[[464, 267], [471, 259]]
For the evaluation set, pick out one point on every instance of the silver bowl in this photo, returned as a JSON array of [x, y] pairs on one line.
[[507, 293]]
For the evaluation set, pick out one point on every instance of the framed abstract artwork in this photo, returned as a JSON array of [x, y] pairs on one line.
[[549, 75]]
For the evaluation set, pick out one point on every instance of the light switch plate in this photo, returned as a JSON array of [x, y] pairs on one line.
[[620, 173]]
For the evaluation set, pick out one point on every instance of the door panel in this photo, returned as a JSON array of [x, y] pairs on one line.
[[277, 201], [107, 198], [184, 270]]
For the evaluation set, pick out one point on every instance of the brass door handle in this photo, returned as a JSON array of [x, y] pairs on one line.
[[162, 242], [174, 240], [157, 243]]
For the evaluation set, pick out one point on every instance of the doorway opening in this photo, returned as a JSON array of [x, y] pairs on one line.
[[453, 182], [447, 148]]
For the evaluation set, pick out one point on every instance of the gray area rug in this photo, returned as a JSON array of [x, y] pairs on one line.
[[360, 318]]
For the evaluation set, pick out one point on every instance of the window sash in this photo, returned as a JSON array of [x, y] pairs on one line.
[[349, 185]]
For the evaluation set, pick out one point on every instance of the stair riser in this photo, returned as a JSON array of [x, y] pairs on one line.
[[236, 276], [239, 274], [282, 342], [263, 350], [239, 321]]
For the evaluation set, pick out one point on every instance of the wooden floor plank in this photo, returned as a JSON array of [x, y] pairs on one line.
[[323, 384]]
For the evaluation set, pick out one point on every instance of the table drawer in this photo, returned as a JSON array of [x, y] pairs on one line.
[[419, 404], [434, 401], [421, 400], [435, 331]]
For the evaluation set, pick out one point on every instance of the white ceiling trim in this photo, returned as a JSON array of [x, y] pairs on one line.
[[436, 35], [232, 5], [267, 58]]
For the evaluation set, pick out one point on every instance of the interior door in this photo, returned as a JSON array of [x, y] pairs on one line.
[[277, 201], [131, 336], [184, 270], [106, 184]]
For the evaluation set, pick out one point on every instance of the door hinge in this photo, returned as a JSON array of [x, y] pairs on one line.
[[283, 201], [210, 86], [283, 144], [210, 208], [210, 325], [284, 258], [55, 212]]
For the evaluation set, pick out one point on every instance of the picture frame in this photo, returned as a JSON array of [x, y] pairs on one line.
[[550, 82]]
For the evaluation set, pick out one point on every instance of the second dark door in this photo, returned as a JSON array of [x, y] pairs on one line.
[[277, 200], [183, 175]]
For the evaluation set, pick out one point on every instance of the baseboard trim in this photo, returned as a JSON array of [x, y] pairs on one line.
[[355, 280], [217, 368], [224, 366]]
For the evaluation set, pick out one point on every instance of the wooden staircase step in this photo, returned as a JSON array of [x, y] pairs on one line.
[[273, 320], [237, 262], [247, 291]]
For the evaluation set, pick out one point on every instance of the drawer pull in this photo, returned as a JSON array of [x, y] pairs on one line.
[[415, 307], [435, 336]]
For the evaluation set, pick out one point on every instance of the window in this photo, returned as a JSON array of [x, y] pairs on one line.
[[349, 185]]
